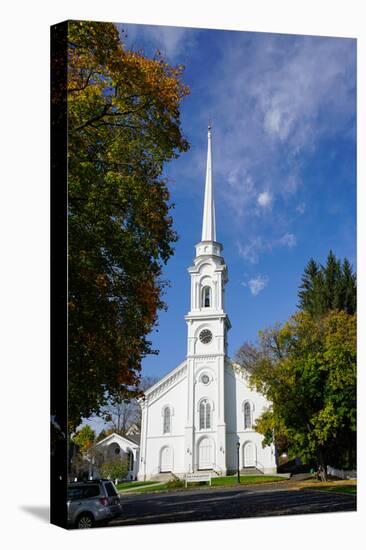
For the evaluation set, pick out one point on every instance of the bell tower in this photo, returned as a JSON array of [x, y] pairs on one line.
[[205, 432]]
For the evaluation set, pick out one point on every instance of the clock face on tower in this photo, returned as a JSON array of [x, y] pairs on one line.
[[205, 336]]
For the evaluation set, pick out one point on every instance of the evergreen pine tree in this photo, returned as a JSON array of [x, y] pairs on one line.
[[348, 288], [328, 287], [332, 282], [306, 292]]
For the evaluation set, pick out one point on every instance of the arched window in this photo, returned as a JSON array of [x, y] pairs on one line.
[[247, 416], [130, 460], [166, 420], [205, 415], [206, 296]]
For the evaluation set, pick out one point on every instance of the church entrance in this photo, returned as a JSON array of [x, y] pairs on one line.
[[205, 454], [249, 455], [166, 459]]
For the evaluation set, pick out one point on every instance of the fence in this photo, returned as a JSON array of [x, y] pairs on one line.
[[342, 474]]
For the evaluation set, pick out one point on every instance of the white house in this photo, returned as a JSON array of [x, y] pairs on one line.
[[115, 445], [201, 413]]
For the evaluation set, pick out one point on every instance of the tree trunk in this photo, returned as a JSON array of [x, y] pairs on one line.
[[322, 467]]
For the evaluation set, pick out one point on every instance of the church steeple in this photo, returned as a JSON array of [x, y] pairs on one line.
[[209, 222]]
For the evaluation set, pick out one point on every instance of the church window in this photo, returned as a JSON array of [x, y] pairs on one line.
[[205, 415], [166, 420], [247, 416], [206, 296]]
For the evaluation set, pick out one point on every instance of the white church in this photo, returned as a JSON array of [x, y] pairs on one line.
[[200, 416]]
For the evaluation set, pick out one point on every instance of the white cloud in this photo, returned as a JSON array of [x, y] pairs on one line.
[[264, 199], [291, 184], [300, 208], [288, 239], [270, 107], [257, 284], [171, 41], [250, 251], [271, 99], [299, 86], [277, 122]]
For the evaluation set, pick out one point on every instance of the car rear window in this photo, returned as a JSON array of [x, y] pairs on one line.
[[83, 491], [90, 491], [111, 491]]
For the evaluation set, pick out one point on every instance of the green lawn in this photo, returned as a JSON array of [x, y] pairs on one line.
[[132, 484], [244, 480], [228, 481]]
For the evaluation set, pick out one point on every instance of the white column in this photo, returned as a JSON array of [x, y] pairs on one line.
[[219, 290], [215, 301], [143, 444]]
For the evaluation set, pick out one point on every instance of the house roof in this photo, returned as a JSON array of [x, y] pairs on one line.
[[130, 439], [135, 438]]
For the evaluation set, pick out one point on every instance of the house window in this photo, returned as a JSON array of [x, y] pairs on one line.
[[247, 416], [205, 415], [206, 296], [166, 420]]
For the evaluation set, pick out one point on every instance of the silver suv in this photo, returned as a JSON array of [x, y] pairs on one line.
[[92, 502]]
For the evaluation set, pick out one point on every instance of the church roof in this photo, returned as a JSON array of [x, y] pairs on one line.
[[172, 377]]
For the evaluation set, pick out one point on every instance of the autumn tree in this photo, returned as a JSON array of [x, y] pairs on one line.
[[306, 369], [123, 125], [101, 435], [84, 438]]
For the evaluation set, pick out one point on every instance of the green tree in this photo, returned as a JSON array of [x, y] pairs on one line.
[[84, 438], [307, 371], [310, 288], [324, 288], [332, 283], [348, 288], [123, 125], [116, 468]]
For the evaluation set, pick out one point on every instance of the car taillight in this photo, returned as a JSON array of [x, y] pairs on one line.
[[103, 501]]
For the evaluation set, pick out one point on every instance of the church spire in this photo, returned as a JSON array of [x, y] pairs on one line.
[[209, 223]]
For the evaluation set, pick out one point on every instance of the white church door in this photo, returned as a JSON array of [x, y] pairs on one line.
[[205, 454], [249, 455], [166, 459]]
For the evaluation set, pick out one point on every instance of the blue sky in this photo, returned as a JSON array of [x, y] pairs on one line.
[[284, 162]]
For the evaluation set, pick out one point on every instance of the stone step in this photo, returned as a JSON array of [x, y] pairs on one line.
[[250, 471], [162, 477]]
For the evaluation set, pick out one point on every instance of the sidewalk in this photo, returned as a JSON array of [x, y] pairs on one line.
[[141, 487]]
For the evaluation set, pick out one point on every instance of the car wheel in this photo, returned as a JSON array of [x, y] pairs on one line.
[[85, 521]]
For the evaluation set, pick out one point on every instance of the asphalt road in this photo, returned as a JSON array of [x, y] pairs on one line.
[[229, 503]]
